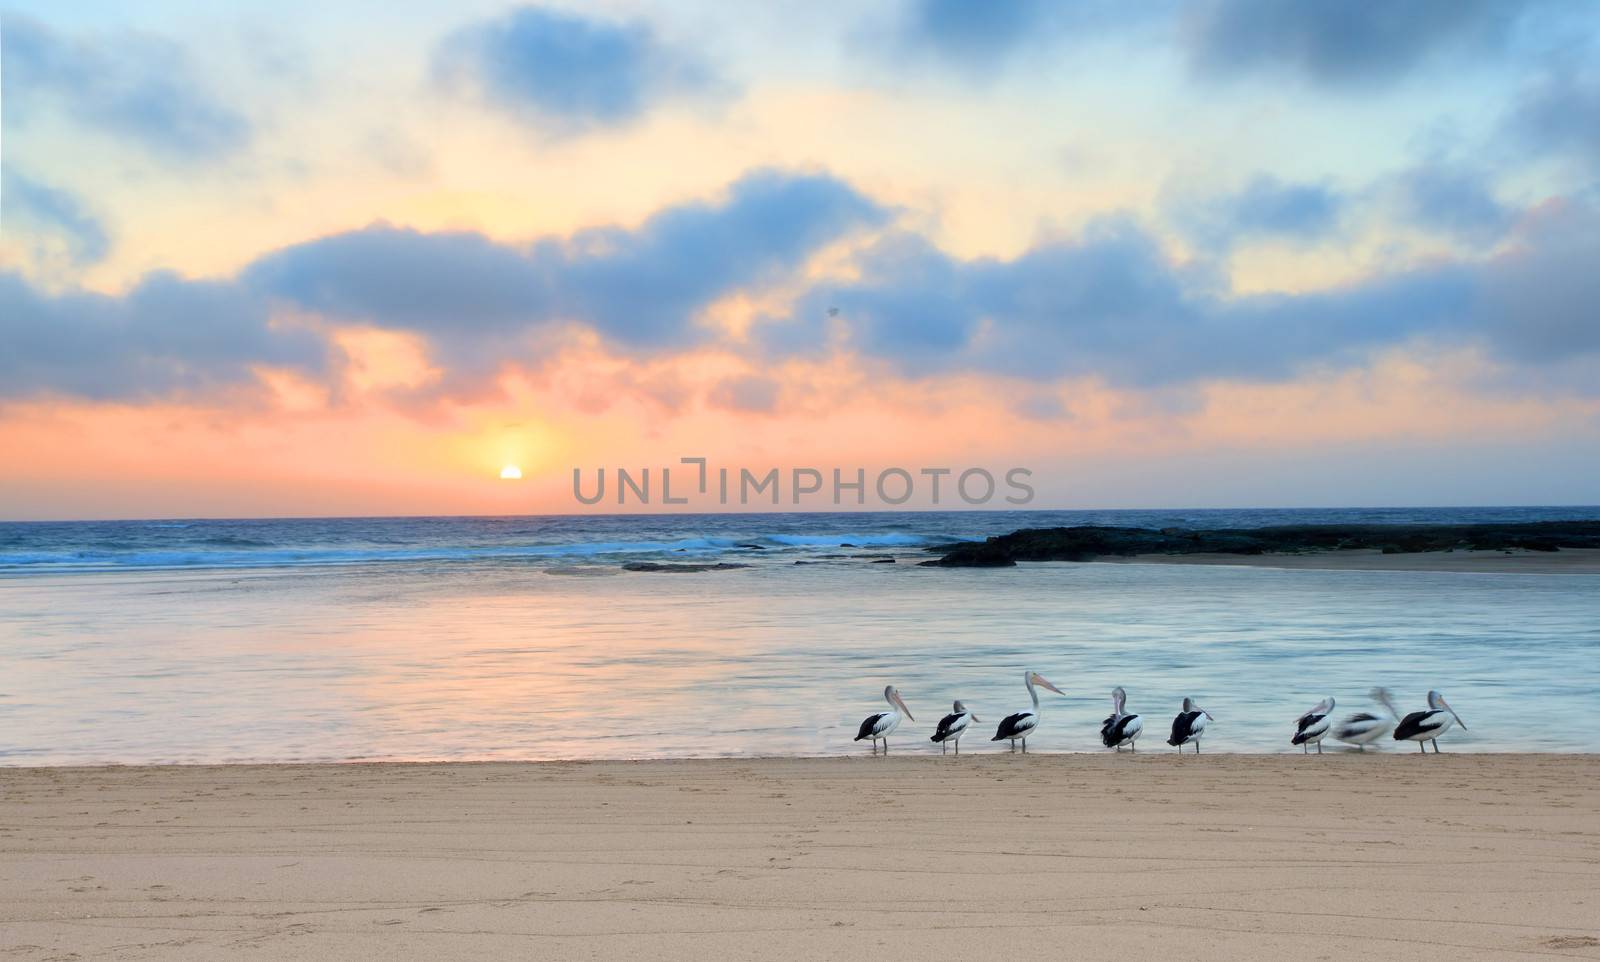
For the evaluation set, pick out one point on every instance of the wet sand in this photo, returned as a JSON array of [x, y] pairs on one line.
[[1577, 561], [1209, 857]]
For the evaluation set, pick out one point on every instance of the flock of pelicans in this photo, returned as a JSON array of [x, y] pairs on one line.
[[1122, 728]]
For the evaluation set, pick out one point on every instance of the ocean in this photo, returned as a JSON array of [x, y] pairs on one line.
[[526, 638]]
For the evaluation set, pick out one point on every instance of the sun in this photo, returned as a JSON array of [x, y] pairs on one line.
[[511, 473]]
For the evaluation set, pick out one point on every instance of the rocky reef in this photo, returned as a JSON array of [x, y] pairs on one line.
[[1088, 542]]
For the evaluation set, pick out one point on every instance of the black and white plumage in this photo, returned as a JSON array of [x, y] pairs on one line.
[[1426, 726], [1363, 728], [953, 726], [1017, 726], [883, 724], [1189, 726], [1120, 728], [1312, 727]]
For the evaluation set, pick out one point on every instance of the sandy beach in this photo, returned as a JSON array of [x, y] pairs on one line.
[[1572, 561], [1224, 857]]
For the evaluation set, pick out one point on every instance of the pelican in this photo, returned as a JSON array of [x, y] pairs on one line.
[[1022, 724], [1120, 728], [1312, 727], [883, 724], [1189, 726], [1426, 726], [1363, 728], [953, 726]]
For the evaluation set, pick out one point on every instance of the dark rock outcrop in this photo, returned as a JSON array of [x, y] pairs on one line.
[[1087, 542]]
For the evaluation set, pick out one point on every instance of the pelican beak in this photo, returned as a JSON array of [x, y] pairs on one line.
[[1044, 682], [901, 702], [1204, 712], [976, 718], [1453, 714]]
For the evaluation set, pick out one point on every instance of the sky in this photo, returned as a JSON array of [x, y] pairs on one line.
[[297, 259]]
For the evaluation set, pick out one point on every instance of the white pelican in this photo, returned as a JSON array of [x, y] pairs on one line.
[[953, 726], [883, 724], [1189, 726], [1363, 728], [1312, 727], [1426, 726], [1021, 724], [1120, 728]]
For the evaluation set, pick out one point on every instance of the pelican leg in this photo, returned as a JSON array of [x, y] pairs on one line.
[[944, 749], [1436, 746], [1319, 748], [958, 747], [1361, 748], [1303, 748], [1423, 746], [1024, 746], [1197, 746], [886, 744]]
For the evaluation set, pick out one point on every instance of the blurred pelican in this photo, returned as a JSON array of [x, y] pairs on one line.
[[1312, 727], [883, 724], [1020, 725], [1426, 726], [1363, 728], [953, 726], [1189, 726], [1120, 728]]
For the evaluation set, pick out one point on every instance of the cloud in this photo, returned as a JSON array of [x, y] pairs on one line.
[[1343, 44], [130, 85], [1265, 208], [31, 204], [976, 35], [751, 393], [1110, 304], [639, 287], [979, 38], [166, 336], [1454, 200], [566, 73], [1559, 112], [476, 301]]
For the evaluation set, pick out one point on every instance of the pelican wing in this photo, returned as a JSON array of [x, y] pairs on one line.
[[1016, 726], [1186, 726], [871, 725], [1361, 727], [952, 725], [1310, 727], [1418, 723], [1115, 731]]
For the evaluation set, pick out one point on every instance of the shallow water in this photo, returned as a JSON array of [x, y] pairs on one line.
[[449, 659]]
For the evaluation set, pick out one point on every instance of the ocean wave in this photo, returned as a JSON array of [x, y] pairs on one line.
[[228, 551], [103, 560], [888, 539]]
